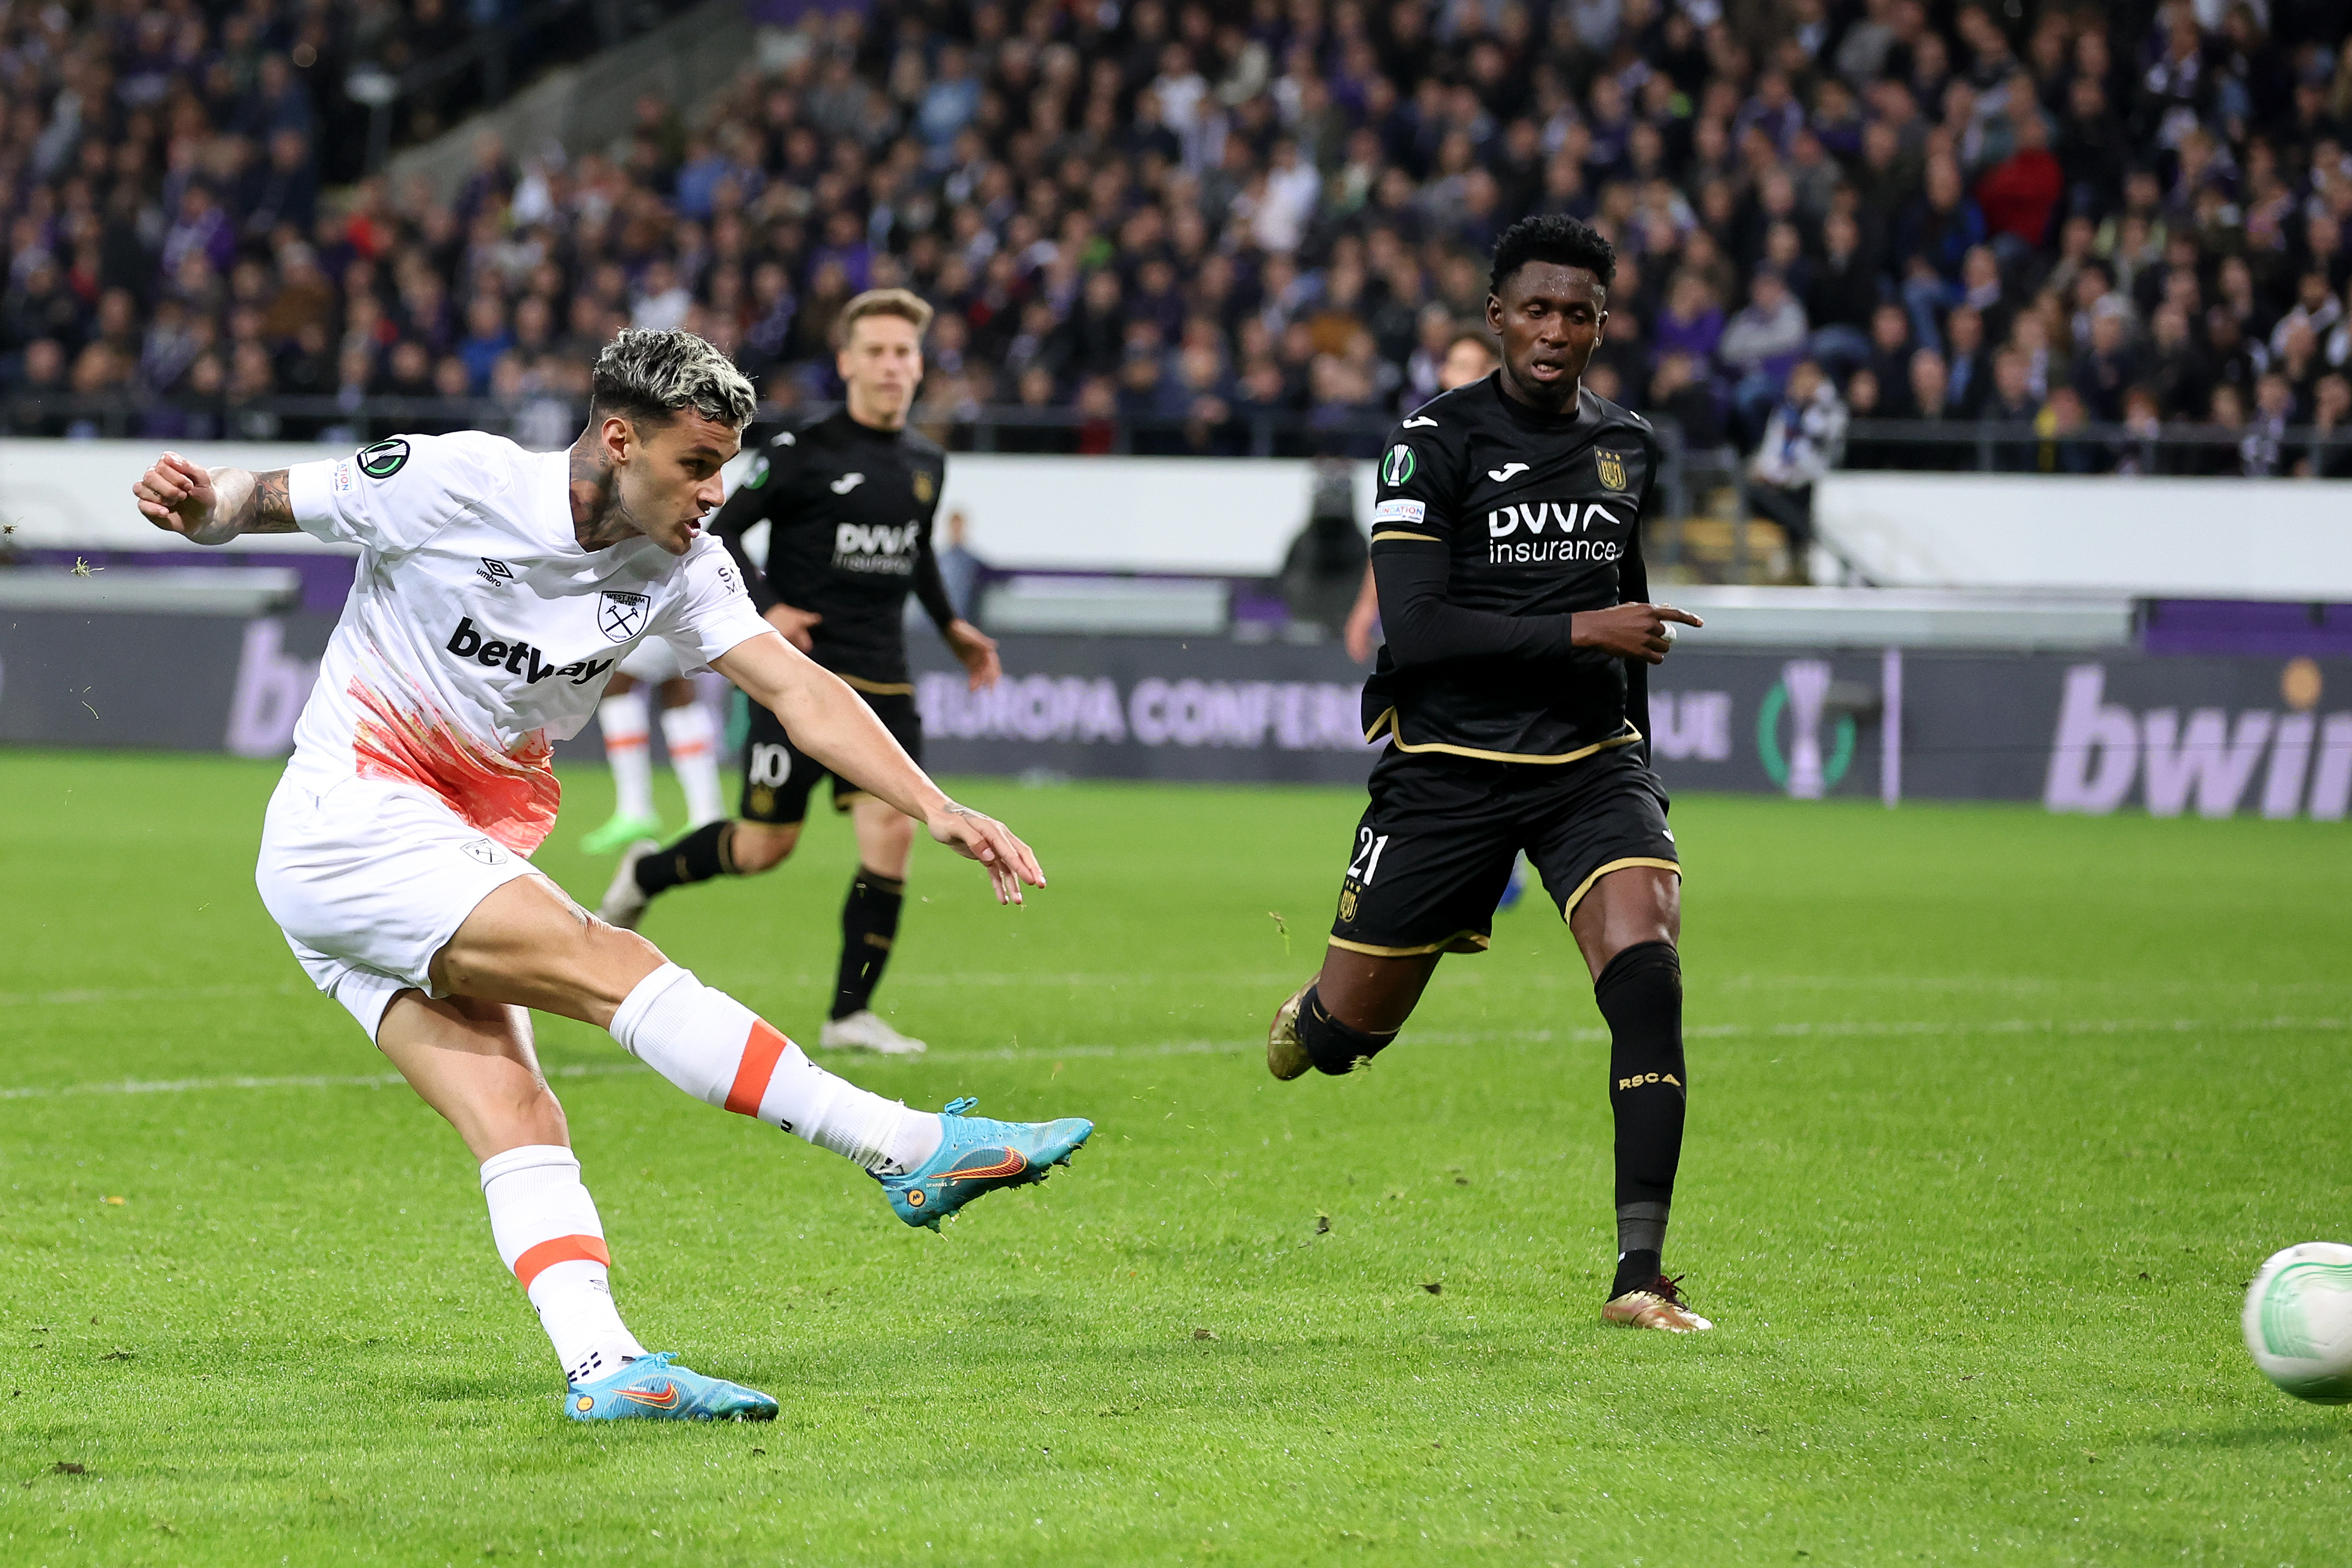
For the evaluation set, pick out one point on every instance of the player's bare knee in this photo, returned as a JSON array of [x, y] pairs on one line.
[[755, 846]]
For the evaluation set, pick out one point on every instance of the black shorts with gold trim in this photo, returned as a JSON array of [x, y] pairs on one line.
[[779, 777], [1435, 845]]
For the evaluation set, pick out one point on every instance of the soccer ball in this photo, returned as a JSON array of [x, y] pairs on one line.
[[2298, 1322]]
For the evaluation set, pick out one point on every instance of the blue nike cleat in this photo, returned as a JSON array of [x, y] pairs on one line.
[[654, 1388], [1516, 888], [977, 1155]]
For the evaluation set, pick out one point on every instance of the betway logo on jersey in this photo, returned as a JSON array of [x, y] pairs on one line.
[[518, 657], [877, 547], [1553, 529]]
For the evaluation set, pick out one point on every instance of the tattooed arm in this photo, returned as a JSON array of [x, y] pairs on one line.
[[212, 506]]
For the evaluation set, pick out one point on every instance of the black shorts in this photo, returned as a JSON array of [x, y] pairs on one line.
[[779, 777], [1435, 845]]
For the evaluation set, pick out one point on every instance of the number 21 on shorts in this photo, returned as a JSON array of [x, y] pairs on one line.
[[1367, 862]]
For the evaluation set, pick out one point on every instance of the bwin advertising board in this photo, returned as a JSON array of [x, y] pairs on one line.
[[2169, 735]]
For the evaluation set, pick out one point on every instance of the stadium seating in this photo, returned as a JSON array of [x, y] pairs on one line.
[[1226, 229]]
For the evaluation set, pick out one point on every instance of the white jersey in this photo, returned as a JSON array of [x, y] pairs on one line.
[[479, 631]]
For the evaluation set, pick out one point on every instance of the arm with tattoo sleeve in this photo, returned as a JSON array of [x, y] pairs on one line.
[[212, 506]]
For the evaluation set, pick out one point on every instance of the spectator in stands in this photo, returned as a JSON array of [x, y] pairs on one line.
[[1865, 450], [1843, 293], [1679, 390], [1759, 345], [1802, 439], [2263, 452], [2222, 452], [2012, 404], [1930, 403], [2019, 194], [488, 340], [2329, 454], [2136, 452], [2065, 448]]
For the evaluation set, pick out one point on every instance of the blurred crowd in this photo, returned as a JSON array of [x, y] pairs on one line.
[[2070, 228]]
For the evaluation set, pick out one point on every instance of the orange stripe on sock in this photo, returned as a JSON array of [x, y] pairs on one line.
[[537, 1260], [624, 742], [762, 1052], [700, 748]]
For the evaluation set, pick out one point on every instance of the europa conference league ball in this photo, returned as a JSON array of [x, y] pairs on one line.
[[2298, 1322]]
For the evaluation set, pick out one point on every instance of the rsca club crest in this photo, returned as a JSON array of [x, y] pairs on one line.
[[1397, 465], [924, 489], [1612, 468]]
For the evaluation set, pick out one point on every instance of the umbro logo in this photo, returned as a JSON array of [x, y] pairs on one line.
[[497, 573], [846, 483], [1420, 422], [1506, 472]]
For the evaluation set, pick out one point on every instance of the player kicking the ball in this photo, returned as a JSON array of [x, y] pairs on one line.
[[1506, 539], [497, 588]]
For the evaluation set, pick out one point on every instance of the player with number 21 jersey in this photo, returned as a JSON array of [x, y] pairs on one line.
[[1511, 693]]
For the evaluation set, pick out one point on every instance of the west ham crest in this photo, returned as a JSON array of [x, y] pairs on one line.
[[620, 617]]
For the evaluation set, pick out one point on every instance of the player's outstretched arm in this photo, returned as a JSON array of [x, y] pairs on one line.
[[212, 506], [832, 723]]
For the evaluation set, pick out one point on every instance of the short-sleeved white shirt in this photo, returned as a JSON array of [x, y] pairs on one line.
[[479, 631]]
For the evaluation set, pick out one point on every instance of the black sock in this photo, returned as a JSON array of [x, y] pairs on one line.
[[869, 924], [697, 857], [1332, 1046], [1641, 994]]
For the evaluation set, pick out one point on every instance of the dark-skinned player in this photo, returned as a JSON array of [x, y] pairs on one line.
[[1512, 691]]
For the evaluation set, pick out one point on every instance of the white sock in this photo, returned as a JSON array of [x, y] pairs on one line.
[[693, 742], [548, 1233], [722, 1053], [623, 721]]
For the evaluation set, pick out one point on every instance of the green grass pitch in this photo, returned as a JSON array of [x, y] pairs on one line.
[[1993, 1114]]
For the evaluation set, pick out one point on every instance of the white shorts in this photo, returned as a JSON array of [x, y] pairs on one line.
[[369, 881], [652, 661]]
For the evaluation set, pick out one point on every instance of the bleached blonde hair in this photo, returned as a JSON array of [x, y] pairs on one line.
[[650, 375]]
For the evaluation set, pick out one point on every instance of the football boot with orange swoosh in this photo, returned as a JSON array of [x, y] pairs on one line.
[[977, 1155], [656, 1388]]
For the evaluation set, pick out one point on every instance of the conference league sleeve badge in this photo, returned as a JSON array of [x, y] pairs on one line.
[[385, 458], [1398, 467]]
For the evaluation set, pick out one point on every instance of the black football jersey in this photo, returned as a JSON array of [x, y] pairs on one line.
[[849, 510], [1538, 517]]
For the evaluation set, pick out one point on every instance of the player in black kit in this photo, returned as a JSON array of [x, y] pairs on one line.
[[848, 500], [1513, 691]]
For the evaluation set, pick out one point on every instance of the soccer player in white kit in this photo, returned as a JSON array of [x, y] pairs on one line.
[[497, 589]]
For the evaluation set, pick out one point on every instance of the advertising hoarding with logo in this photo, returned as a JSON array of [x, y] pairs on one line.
[[2171, 735]]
